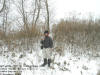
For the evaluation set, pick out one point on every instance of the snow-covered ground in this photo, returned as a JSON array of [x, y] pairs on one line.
[[67, 63]]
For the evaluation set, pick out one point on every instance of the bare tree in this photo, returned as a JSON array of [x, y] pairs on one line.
[[5, 13], [36, 11], [3, 6], [48, 18], [23, 13], [38, 14]]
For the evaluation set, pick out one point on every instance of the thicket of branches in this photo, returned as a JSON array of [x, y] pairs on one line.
[[75, 30], [23, 18], [31, 17]]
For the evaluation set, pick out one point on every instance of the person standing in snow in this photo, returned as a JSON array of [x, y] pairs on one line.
[[47, 45]]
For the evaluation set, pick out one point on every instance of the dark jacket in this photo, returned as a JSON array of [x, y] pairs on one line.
[[47, 42]]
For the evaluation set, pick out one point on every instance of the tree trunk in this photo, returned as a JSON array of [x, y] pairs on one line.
[[38, 14], [48, 19], [3, 6]]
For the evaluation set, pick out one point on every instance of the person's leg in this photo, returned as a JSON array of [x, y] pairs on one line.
[[49, 62], [49, 57], [45, 62], [45, 57]]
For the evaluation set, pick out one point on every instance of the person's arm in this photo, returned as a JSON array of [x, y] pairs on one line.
[[51, 43], [42, 41]]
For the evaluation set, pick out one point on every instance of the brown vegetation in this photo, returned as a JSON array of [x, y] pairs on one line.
[[66, 30]]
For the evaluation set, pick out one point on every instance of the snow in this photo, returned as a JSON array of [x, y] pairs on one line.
[[67, 64]]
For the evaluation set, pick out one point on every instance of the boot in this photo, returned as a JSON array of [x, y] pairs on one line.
[[49, 62], [45, 62]]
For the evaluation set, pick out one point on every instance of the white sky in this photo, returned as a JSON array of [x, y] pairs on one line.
[[63, 7]]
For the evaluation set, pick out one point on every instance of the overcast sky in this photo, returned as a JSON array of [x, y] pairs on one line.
[[62, 8]]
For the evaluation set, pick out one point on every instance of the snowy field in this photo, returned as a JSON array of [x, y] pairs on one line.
[[78, 62]]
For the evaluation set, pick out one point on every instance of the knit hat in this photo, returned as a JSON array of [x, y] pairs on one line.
[[46, 32]]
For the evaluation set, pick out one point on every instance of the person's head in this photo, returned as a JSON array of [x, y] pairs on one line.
[[46, 33]]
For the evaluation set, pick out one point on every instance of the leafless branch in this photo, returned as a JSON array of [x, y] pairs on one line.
[[3, 6]]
